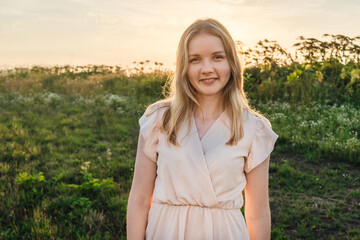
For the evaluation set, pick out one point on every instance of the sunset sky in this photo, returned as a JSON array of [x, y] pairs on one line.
[[119, 32]]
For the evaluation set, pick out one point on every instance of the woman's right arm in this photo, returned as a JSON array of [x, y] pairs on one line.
[[140, 194]]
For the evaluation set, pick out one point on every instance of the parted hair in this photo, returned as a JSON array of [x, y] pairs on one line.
[[182, 99]]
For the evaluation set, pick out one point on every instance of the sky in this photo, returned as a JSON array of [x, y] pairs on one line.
[[119, 32]]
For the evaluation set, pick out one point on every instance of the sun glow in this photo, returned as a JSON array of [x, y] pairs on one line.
[[121, 32]]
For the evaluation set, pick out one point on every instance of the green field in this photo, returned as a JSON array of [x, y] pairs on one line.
[[68, 140]]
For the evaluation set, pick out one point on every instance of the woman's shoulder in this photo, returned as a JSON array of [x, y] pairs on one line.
[[152, 118], [157, 108], [253, 117], [249, 115], [154, 113]]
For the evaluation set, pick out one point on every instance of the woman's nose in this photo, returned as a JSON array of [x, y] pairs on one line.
[[207, 67]]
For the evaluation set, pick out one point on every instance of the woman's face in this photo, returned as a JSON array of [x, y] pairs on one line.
[[209, 70]]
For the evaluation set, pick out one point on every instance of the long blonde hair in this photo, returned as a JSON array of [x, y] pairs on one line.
[[182, 100]]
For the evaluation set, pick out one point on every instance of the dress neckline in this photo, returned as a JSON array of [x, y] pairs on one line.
[[209, 129]]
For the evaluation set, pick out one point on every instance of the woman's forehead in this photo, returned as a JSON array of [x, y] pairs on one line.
[[205, 42]]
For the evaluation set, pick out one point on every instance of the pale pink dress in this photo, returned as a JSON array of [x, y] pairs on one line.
[[198, 187]]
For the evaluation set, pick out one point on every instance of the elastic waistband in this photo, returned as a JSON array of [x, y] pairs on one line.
[[200, 206]]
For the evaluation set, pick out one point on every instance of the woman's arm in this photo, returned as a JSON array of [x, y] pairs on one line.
[[140, 194], [257, 209]]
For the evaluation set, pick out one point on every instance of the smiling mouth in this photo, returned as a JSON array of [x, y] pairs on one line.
[[208, 80]]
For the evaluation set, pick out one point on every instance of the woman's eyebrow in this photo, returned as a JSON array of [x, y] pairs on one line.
[[217, 52]]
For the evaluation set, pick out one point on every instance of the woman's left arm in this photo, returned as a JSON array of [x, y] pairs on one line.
[[257, 209]]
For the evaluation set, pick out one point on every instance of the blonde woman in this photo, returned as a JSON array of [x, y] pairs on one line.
[[200, 148]]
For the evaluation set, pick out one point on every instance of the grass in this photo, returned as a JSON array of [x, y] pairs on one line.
[[54, 137], [317, 129], [67, 157], [314, 200]]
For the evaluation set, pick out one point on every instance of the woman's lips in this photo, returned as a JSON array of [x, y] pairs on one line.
[[208, 80]]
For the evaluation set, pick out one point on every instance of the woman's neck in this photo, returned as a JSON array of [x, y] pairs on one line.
[[211, 107]]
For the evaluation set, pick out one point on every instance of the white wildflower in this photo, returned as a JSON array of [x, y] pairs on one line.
[[112, 98]]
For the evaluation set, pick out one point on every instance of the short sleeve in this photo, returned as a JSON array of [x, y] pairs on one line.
[[261, 146], [149, 130]]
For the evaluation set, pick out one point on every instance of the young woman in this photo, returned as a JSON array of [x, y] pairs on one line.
[[200, 148]]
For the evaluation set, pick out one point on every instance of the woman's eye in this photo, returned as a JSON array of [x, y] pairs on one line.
[[218, 57], [194, 60]]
